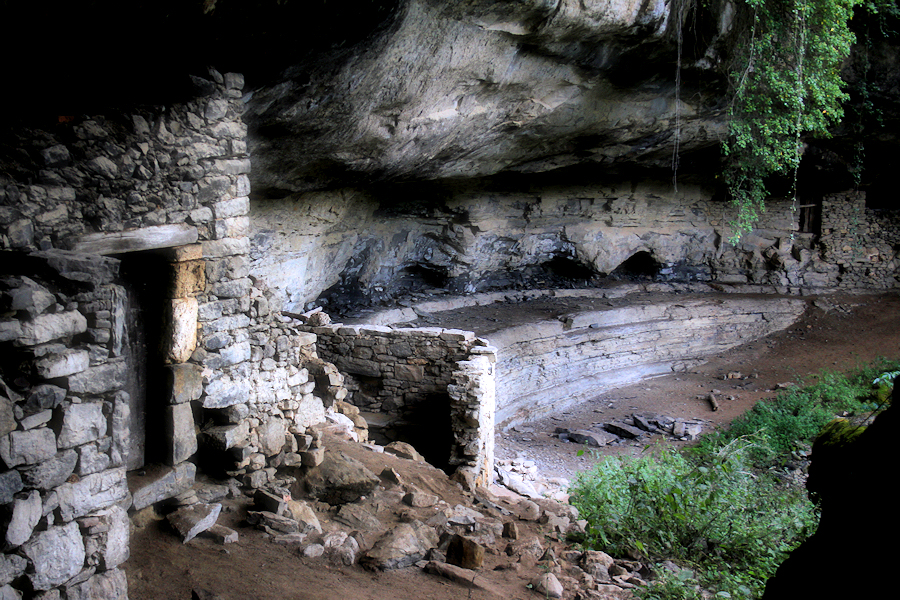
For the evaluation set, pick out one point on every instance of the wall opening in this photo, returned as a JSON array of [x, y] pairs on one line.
[[421, 277], [427, 426], [145, 276], [640, 266]]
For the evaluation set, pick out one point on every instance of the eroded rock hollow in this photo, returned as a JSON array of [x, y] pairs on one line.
[[168, 232]]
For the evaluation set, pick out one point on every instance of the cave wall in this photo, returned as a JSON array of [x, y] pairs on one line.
[[373, 247]]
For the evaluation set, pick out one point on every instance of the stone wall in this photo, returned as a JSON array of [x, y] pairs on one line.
[[407, 372], [862, 243], [465, 239], [105, 221]]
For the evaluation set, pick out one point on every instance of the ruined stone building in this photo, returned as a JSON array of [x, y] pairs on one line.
[[153, 248]]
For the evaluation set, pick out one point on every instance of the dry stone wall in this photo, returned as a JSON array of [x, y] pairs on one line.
[[105, 221], [408, 367], [862, 243]]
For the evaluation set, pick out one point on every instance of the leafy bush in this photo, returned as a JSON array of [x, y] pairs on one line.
[[720, 507], [733, 525], [797, 415]]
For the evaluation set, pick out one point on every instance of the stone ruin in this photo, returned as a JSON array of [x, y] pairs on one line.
[[145, 327]]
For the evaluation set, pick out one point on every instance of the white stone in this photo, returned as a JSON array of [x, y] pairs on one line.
[[82, 423], [25, 515], [57, 555], [53, 326], [181, 340], [27, 447]]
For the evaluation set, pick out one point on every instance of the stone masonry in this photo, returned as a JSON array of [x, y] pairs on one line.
[[81, 200], [410, 366]]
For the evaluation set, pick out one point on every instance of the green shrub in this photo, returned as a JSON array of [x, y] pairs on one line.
[[733, 525], [720, 508], [798, 415]]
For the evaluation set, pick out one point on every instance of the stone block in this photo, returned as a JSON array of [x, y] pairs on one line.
[[226, 247], [181, 437], [181, 330], [27, 447], [237, 288], [233, 166], [232, 227], [233, 207], [190, 521], [36, 420], [109, 585], [91, 459], [188, 278], [10, 330], [49, 327], [43, 397], [225, 392], [51, 473], [10, 485], [414, 373], [271, 436], [100, 379], [223, 437], [184, 383], [163, 484], [11, 567], [24, 516], [7, 416], [93, 492], [57, 555], [80, 424]]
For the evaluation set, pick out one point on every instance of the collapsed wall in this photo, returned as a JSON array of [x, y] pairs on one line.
[[132, 336], [440, 381]]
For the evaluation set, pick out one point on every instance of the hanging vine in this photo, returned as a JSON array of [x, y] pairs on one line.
[[786, 82]]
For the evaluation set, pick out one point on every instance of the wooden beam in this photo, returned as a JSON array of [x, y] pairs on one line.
[[146, 238]]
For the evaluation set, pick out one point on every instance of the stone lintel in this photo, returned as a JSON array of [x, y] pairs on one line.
[[147, 238]]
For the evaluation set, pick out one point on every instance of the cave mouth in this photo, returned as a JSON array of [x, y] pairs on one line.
[[565, 268], [640, 266], [421, 277]]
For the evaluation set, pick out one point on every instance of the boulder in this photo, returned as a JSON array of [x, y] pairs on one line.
[[405, 544], [340, 479]]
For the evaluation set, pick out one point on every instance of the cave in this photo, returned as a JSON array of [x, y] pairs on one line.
[[568, 270], [410, 164], [640, 266]]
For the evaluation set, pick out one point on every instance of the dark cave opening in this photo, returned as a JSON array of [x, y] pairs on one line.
[[427, 427], [566, 268], [640, 266], [420, 276]]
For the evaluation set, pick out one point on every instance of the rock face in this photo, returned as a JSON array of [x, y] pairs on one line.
[[467, 89]]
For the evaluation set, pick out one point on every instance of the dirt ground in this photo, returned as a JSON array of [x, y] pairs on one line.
[[837, 333]]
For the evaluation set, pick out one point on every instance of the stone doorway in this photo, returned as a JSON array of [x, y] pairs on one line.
[[160, 314]]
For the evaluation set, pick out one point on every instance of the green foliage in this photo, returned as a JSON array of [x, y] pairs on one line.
[[787, 83], [799, 414], [720, 508], [732, 525]]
